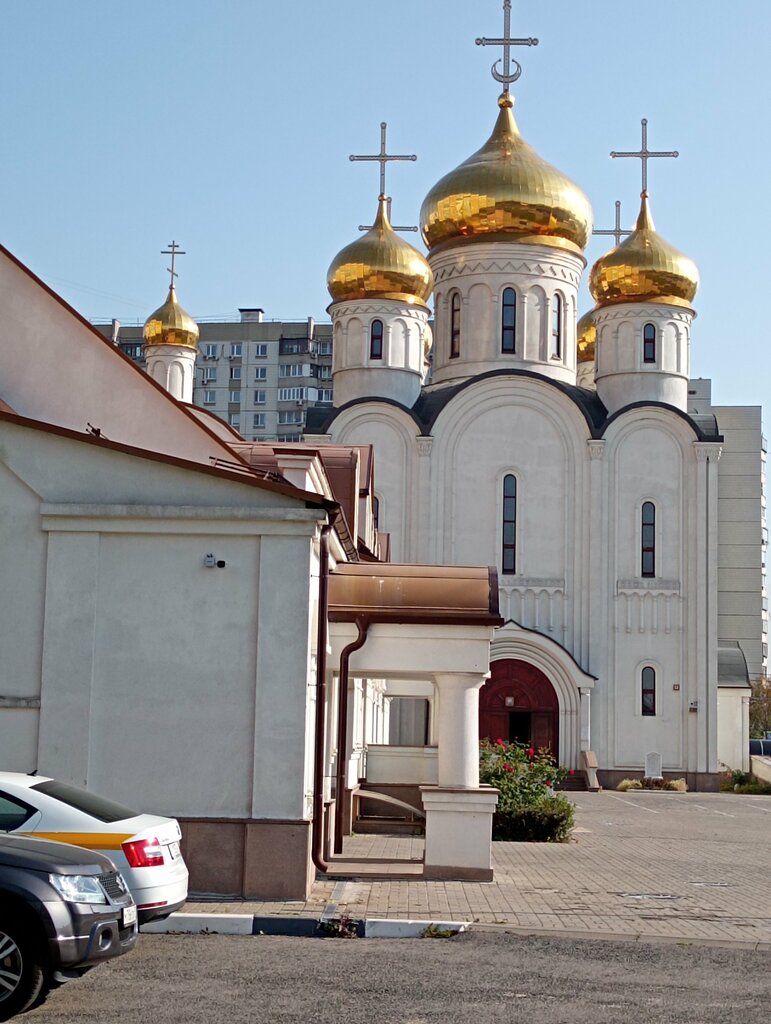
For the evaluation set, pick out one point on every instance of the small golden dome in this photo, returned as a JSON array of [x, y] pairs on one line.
[[587, 338], [171, 325], [380, 265], [644, 268], [505, 190]]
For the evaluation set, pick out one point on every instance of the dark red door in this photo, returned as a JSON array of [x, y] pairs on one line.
[[516, 686]]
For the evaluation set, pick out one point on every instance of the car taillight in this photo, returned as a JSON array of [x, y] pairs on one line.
[[143, 853]]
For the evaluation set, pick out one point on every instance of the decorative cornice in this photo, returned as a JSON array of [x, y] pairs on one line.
[[532, 269], [530, 582], [638, 311], [379, 307], [707, 451], [642, 585]]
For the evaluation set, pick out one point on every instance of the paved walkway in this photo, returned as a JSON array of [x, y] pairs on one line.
[[680, 867]]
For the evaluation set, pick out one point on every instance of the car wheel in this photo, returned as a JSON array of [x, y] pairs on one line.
[[22, 978]]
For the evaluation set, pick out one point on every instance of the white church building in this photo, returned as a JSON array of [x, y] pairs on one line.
[[561, 451]]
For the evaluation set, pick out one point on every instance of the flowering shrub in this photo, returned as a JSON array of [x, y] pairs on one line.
[[528, 809]]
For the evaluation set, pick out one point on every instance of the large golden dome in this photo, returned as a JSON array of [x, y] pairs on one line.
[[171, 325], [380, 265], [505, 190], [586, 331], [644, 268]]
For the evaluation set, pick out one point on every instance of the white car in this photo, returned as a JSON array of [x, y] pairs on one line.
[[144, 847]]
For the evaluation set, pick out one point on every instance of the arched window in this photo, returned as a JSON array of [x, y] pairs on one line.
[[376, 340], [509, 321], [649, 343], [648, 541], [556, 326], [509, 530], [454, 325], [648, 688]]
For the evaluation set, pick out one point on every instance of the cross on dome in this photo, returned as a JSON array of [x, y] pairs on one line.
[[173, 251], [383, 158], [507, 76], [617, 231], [644, 155]]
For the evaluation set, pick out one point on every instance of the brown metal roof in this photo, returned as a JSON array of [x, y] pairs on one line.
[[439, 594]]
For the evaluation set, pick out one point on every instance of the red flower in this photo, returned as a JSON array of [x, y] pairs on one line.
[[531, 751], [499, 743], [548, 782], [508, 768]]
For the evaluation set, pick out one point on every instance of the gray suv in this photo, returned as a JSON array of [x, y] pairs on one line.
[[63, 910]]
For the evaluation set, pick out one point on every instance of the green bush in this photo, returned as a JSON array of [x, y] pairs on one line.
[[550, 821], [528, 810]]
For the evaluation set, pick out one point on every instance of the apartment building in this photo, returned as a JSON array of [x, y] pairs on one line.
[[260, 376]]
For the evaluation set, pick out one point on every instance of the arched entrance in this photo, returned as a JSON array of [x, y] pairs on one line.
[[518, 703]]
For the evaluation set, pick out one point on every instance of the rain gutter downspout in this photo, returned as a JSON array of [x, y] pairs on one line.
[[362, 624], [317, 834]]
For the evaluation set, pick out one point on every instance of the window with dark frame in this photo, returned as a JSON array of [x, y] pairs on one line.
[[376, 339], [649, 343], [509, 321], [648, 681], [509, 529], [648, 540], [556, 327], [455, 325], [376, 511]]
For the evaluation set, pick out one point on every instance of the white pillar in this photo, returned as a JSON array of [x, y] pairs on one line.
[[586, 736], [458, 729], [459, 813]]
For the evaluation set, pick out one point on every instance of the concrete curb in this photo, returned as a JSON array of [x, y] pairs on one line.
[[194, 924], [401, 928], [299, 927]]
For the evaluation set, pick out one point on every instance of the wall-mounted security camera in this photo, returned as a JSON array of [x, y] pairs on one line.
[[210, 561], [221, 564]]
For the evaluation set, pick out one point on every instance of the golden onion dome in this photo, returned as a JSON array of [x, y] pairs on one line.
[[587, 338], [171, 325], [380, 265], [644, 268], [506, 190]]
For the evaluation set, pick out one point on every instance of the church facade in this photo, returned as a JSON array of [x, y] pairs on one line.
[[561, 451]]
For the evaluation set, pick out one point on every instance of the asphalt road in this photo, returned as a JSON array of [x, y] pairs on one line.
[[482, 978]]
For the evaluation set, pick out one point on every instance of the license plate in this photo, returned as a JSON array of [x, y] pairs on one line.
[[129, 916], [174, 850]]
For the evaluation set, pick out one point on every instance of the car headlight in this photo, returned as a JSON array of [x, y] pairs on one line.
[[78, 888]]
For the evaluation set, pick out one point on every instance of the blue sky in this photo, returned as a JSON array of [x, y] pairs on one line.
[[227, 124]]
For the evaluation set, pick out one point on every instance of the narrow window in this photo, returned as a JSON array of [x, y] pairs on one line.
[[648, 691], [375, 511], [455, 325], [649, 343], [509, 321], [556, 327], [376, 340], [648, 546], [509, 537]]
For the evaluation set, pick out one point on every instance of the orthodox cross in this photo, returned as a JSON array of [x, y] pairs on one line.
[[617, 231], [383, 158], [507, 76], [645, 154], [173, 251]]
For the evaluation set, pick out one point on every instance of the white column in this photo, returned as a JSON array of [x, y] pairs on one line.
[[458, 729], [459, 813], [586, 736]]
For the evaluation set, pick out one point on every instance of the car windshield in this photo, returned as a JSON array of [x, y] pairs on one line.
[[97, 806]]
